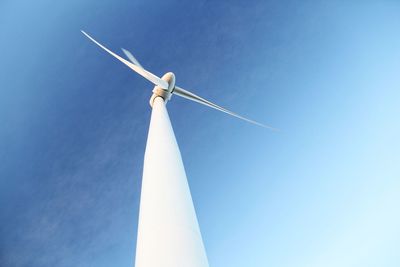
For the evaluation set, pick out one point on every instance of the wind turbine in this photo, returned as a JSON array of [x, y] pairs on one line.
[[168, 231]]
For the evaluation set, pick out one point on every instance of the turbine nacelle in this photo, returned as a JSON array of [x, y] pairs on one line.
[[166, 94]]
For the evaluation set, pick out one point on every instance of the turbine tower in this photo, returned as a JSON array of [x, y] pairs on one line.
[[168, 231]]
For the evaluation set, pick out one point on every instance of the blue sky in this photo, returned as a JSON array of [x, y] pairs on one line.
[[325, 191]]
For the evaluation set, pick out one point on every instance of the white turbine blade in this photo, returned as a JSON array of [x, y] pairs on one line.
[[144, 73], [190, 96], [131, 57]]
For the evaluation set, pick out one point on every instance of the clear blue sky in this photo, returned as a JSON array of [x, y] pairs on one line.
[[325, 191]]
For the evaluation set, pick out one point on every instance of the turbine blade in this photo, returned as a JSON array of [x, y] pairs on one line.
[[190, 96], [131, 57], [139, 70]]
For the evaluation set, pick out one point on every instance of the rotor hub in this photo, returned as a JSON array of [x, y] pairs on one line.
[[165, 94]]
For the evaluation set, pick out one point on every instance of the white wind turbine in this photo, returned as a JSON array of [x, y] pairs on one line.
[[168, 231]]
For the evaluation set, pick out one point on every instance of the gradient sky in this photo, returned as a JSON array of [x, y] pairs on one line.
[[325, 191]]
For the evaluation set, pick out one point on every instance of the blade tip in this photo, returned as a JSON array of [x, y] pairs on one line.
[[126, 52], [84, 33], [273, 129]]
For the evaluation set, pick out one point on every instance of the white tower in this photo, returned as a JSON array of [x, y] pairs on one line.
[[168, 231]]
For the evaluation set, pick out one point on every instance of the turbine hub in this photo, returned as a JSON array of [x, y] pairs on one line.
[[165, 94]]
